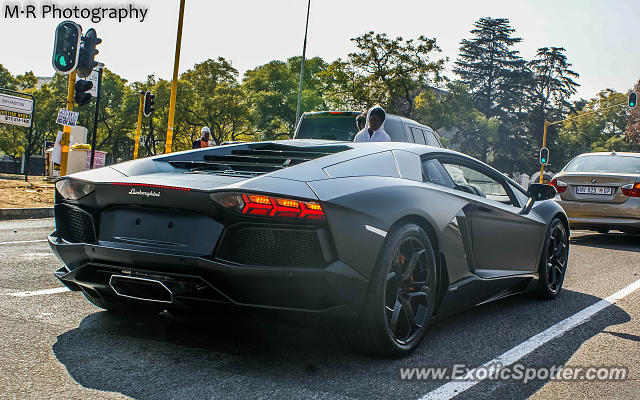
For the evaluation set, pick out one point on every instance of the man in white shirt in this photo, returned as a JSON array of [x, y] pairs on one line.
[[374, 130]]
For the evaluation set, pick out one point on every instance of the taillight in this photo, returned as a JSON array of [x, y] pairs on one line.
[[71, 189], [559, 185], [269, 206], [631, 190]]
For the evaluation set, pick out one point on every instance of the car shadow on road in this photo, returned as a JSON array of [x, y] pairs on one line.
[[160, 357], [611, 241]]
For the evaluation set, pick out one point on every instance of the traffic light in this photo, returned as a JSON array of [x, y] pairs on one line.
[[633, 99], [88, 52], [81, 97], [544, 156], [148, 103], [66, 47]]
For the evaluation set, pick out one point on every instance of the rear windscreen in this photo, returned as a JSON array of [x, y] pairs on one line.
[[605, 163], [330, 128]]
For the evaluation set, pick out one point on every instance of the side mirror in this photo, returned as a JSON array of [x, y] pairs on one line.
[[538, 192]]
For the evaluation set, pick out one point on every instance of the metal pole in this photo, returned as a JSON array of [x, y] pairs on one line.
[[95, 119], [174, 83], [544, 144], [66, 135], [304, 51], [137, 142], [27, 152]]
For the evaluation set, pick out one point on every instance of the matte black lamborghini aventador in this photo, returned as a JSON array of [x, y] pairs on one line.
[[386, 236]]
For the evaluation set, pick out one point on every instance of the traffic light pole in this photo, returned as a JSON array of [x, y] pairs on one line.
[[66, 131], [548, 124], [304, 51], [95, 118], [137, 143], [174, 82]]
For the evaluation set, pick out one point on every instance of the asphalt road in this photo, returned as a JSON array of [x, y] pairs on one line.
[[58, 346]]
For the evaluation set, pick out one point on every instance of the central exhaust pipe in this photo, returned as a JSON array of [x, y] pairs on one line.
[[140, 288]]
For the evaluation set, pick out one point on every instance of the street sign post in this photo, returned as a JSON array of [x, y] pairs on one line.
[[18, 110]]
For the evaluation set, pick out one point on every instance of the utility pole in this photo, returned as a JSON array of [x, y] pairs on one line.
[[304, 51], [95, 116], [137, 141], [174, 82], [66, 131]]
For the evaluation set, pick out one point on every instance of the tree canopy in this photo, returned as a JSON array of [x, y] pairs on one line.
[[495, 109]]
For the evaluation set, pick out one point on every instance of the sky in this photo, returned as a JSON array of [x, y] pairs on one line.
[[600, 36]]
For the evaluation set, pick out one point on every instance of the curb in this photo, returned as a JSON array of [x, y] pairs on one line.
[[25, 213]]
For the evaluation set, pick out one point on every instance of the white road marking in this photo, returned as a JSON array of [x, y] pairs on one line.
[[24, 241], [376, 230], [39, 292], [454, 388]]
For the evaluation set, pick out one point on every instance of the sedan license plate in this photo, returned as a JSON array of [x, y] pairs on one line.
[[593, 190]]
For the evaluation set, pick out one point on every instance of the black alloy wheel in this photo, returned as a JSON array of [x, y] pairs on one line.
[[407, 291], [553, 263], [401, 296]]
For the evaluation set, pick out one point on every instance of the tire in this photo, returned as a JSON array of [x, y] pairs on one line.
[[553, 260], [399, 303], [118, 307]]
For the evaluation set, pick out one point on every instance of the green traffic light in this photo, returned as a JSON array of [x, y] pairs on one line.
[[62, 61], [544, 160]]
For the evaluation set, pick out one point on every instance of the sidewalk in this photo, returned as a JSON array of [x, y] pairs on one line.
[[20, 199]]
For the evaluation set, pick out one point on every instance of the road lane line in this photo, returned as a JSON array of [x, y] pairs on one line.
[[40, 292], [24, 241], [454, 388]]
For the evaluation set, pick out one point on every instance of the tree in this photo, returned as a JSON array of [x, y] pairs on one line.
[[633, 124], [454, 110], [489, 66], [7, 81], [215, 99], [341, 87], [551, 87], [272, 89], [394, 71], [600, 131]]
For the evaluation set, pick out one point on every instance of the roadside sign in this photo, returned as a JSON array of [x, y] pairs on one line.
[[15, 110], [98, 159], [67, 117]]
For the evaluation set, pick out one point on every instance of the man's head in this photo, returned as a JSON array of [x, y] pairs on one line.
[[205, 132], [376, 117], [361, 121]]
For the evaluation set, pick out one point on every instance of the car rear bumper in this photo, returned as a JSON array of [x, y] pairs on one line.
[[603, 215], [335, 289]]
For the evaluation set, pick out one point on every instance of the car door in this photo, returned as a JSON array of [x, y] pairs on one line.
[[504, 242]]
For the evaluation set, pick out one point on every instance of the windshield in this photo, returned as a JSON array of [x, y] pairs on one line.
[[331, 128], [605, 163]]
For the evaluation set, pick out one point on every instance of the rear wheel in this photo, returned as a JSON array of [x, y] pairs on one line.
[[401, 295], [553, 261]]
